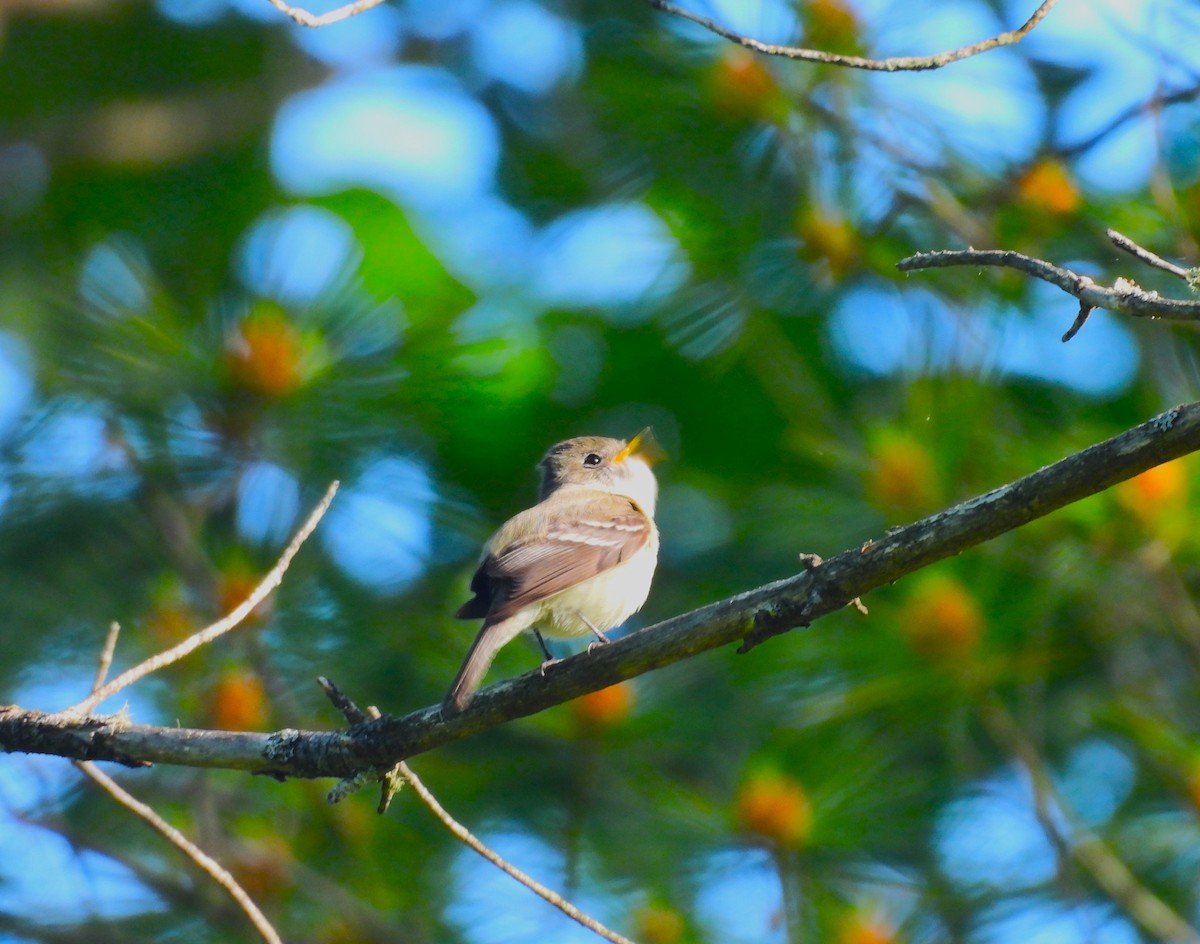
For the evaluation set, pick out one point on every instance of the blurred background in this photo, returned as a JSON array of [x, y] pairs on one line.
[[239, 259]]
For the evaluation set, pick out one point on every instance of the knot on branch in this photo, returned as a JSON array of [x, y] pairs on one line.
[[1165, 420], [812, 599], [282, 747], [1127, 288], [392, 779]]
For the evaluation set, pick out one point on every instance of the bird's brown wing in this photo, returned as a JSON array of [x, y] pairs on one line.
[[579, 541]]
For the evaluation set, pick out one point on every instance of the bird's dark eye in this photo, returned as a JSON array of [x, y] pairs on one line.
[[591, 459]]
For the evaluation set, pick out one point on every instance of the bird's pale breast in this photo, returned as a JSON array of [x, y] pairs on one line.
[[607, 599]]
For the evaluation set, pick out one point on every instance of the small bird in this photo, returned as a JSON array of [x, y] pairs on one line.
[[579, 562]]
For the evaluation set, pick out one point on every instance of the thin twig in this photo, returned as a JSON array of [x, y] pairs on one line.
[[304, 18], [464, 835], [1145, 255], [202, 860], [1154, 915], [791, 892], [220, 627], [205, 862], [106, 656], [356, 716], [1085, 311], [892, 64], [389, 778], [1122, 296]]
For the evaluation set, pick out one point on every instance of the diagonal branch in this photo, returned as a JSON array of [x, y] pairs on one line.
[[206, 863], [751, 617], [468, 838], [892, 64], [106, 656], [402, 774], [210, 866], [272, 580], [1143, 254]]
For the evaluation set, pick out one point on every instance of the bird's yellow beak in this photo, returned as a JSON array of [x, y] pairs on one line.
[[644, 446]]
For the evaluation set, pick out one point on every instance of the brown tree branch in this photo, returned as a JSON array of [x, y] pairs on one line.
[[750, 617], [1122, 296], [892, 64]]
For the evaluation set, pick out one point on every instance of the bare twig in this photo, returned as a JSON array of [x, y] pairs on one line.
[[1122, 296], [390, 779], [202, 860], [464, 835], [1085, 311], [344, 703], [751, 617], [1154, 915], [106, 656], [220, 627], [304, 18], [1145, 255], [209, 865], [892, 64], [356, 716]]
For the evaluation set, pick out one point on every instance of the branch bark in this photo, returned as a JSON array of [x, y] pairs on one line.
[[272, 579], [892, 64], [751, 617], [306, 18], [1123, 296], [401, 774]]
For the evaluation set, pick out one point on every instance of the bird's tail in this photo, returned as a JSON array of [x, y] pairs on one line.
[[488, 641]]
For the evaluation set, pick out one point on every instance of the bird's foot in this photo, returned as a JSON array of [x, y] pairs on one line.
[[600, 640], [811, 562], [546, 664]]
